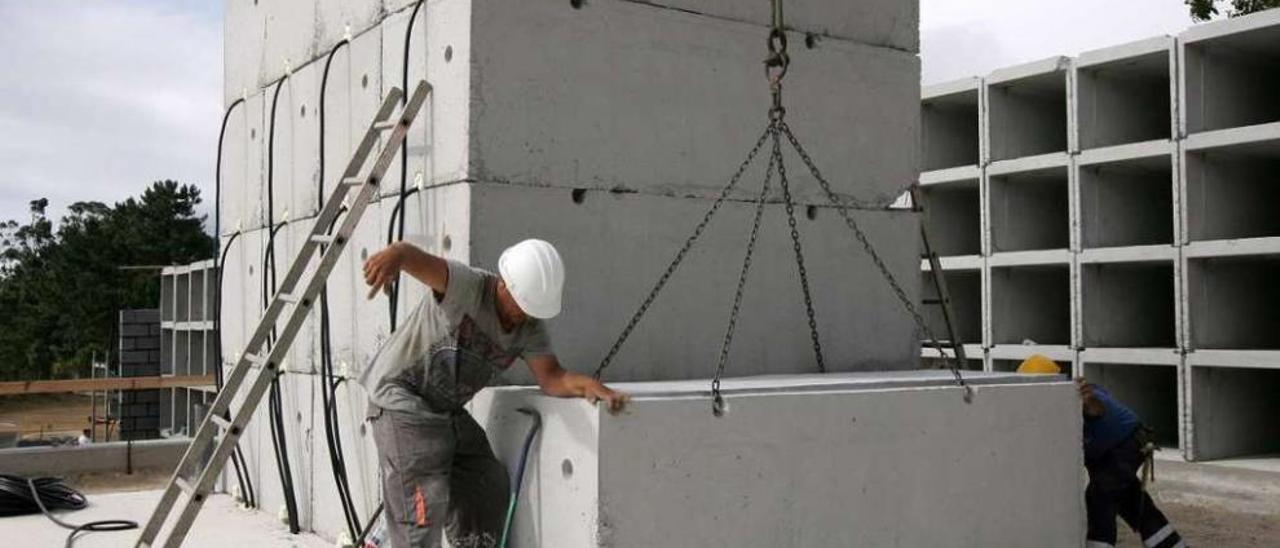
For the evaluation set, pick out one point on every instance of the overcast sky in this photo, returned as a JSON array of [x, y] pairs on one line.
[[99, 99]]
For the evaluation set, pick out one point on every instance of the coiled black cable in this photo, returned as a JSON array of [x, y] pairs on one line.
[[278, 435], [404, 161], [22, 496], [219, 257], [328, 381]]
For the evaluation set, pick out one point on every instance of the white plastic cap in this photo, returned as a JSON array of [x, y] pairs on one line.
[[534, 275]]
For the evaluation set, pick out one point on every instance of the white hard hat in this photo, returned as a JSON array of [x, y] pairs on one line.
[[534, 275]]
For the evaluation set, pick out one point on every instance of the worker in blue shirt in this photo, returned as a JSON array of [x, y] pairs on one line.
[[1115, 447]]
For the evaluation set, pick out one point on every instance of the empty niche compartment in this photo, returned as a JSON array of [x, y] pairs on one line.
[[1028, 115], [1030, 210], [182, 353], [181, 404], [965, 287], [932, 361], [1151, 391], [196, 296], [955, 217], [1234, 302], [1233, 412], [182, 297], [1232, 80], [166, 297], [1124, 101], [1128, 305], [950, 129], [1127, 203], [1232, 191], [166, 352], [1031, 303]]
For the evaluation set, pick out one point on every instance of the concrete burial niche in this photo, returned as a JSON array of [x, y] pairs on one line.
[[1031, 303], [955, 214], [1233, 412], [965, 288], [1027, 109], [950, 119], [1234, 302], [1232, 73], [1125, 94], [1128, 304], [1030, 206], [1231, 185], [864, 459], [1127, 201]]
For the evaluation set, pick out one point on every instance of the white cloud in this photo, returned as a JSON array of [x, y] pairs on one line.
[[100, 99], [961, 38]]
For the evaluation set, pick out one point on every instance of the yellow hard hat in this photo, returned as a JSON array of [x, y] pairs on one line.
[[1039, 365]]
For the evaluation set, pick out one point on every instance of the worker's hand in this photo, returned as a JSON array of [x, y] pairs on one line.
[[383, 269], [615, 400], [1092, 407]]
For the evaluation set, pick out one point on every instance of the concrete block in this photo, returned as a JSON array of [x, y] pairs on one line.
[[1126, 94], [143, 315], [540, 116], [135, 330], [241, 300], [753, 478], [1129, 201], [135, 357], [1229, 73], [297, 391], [888, 23], [611, 272], [950, 118], [1027, 109], [243, 164], [1233, 412]]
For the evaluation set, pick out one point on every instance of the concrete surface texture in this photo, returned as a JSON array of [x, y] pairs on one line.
[[222, 523], [838, 460], [1116, 211]]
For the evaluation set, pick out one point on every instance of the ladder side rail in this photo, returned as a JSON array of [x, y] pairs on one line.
[[293, 325]]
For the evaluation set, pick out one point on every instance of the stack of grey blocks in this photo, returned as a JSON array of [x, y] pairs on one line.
[[186, 342], [138, 411], [1117, 212]]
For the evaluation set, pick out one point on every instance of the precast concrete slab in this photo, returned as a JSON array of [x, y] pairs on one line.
[[834, 460], [633, 237], [695, 100]]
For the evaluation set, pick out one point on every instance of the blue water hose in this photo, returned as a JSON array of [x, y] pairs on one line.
[[519, 479]]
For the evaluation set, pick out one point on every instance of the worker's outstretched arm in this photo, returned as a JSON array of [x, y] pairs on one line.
[[383, 268], [561, 383]]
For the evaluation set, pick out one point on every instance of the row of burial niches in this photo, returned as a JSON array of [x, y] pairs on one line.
[[188, 296]]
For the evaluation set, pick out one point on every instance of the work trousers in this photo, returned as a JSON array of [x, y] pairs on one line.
[[1114, 489], [439, 477]]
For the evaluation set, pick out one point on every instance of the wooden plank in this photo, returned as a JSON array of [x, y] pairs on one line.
[[120, 383]]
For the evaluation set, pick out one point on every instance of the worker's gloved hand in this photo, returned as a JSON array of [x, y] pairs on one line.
[[1092, 407]]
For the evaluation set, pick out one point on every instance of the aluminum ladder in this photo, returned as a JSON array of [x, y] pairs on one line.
[[939, 281], [220, 432]]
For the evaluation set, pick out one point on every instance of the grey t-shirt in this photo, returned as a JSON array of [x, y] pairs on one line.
[[446, 351]]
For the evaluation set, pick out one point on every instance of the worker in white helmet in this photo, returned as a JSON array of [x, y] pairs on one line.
[[439, 474]]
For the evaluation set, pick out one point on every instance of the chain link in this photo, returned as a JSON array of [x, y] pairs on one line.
[[795, 244], [679, 258], [717, 402], [879, 262]]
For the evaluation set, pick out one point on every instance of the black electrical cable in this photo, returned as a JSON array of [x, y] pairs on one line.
[[373, 520], [237, 457], [404, 159], [332, 430], [21, 496], [219, 257], [278, 434]]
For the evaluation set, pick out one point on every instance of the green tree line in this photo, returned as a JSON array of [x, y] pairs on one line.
[[1204, 10], [61, 285]]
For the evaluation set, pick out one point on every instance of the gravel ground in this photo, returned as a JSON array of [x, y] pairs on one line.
[[1207, 526]]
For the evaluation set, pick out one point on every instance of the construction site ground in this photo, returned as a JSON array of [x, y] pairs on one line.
[[50, 415]]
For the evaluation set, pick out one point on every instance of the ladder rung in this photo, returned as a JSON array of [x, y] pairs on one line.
[[222, 422], [386, 124], [933, 301], [184, 485], [323, 238], [288, 298], [256, 359], [355, 181]]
